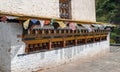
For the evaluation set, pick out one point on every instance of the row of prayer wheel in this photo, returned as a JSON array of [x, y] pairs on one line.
[[60, 44], [60, 31]]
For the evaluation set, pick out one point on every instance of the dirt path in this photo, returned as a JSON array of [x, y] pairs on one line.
[[110, 63]]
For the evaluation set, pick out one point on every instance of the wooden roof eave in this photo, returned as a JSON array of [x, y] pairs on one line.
[[25, 17]]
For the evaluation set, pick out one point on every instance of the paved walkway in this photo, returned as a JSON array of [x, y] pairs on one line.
[[110, 63]]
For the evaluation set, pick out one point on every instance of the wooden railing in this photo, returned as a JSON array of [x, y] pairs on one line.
[[53, 39], [36, 34], [48, 39]]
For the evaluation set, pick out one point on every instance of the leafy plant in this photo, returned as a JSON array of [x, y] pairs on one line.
[[108, 11]]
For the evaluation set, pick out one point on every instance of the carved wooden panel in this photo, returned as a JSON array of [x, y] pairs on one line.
[[65, 9]]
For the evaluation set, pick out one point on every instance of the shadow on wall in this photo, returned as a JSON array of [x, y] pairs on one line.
[[8, 38]]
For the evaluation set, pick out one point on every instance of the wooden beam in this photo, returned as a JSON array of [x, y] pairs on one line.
[[76, 41], [25, 17], [64, 42], [27, 49], [50, 45], [61, 39]]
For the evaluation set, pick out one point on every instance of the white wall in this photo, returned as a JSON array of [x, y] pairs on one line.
[[49, 59], [8, 39], [5, 43], [83, 10], [11, 46], [45, 8], [12, 50]]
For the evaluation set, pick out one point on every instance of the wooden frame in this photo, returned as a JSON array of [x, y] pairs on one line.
[[65, 9], [63, 42], [39, 42]]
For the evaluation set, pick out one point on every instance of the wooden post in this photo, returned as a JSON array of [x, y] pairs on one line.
[[27, 49], [60, 32], [100, 38], [49, 31], [76, 41], [94, 39], [86, 40], [54, 31], [43, 32], [50, 45], [106, 37], [64, 42], [36, 47]]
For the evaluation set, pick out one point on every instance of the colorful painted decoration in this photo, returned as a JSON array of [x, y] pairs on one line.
[[47, 22], [72, 25], [61, 24], [26, 24]]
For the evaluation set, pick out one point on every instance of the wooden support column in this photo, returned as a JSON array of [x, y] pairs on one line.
[[27, 49], [36, 47], [93, 36], [54, 31], [49, 31], [64, 42], [50, 44], [94, 39], [85, 40], [43, 32], [100, 38], [105, 37], [76, 41]]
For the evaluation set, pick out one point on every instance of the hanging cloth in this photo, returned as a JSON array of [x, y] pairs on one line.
[[42, 23], [88, 27], [72, 25], [61, 24], [3, 19], [78, 27], [34, 20], [52, 21], [55, 25], [47, 22], [26, 24], [67, 23]]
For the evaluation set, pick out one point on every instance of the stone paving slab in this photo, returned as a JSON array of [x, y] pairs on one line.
[[109, 63]]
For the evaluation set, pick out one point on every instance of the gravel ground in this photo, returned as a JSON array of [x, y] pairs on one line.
[[109, 63]]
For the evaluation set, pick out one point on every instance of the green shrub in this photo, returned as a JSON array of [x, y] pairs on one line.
[[112, 41]]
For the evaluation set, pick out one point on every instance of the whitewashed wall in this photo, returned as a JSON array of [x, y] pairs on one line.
[[49, 59], [81, 9], [11, 46], [46, 8], [8, 39], [12, 51]]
